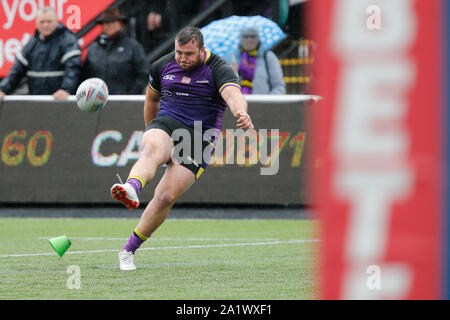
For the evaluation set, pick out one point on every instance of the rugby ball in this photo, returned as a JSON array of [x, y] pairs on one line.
[[92, 95]]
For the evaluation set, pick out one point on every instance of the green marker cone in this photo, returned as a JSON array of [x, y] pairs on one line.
[[60, 244]]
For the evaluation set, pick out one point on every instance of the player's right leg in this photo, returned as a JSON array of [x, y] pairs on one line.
[[156, 150]]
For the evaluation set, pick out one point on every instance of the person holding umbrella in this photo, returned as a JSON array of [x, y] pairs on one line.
[[259, 69]]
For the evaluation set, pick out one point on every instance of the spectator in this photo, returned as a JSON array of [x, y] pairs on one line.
[[154, 21], [51, 60], [116, 58], [149, 22], [259, 69]]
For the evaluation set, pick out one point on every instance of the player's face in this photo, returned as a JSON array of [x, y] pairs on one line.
[[189, 56], [46, 22]]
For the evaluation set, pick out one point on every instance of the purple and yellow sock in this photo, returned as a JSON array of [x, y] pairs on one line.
[[135, 241], [137, 183]]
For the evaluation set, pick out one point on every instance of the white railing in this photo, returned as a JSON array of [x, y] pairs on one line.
[[255, 98]]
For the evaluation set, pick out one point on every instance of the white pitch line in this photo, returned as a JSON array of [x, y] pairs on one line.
[[85, 238], [168, 248], [164, 239]]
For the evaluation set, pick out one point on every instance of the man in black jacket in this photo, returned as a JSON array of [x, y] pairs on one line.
[[51, 60], [116, 58]]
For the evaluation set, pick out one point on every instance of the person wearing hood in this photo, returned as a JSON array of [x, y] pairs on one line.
[[259, 68], [116, 58], [51, 60]]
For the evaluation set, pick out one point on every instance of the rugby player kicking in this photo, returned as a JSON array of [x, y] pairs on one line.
[[188, 85]]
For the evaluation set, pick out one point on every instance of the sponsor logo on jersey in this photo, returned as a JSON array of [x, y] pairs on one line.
[[186, 80]]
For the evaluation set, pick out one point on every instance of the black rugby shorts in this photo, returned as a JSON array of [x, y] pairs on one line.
[[188, 160]]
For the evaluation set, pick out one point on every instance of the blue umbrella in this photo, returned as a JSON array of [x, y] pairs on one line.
[[222, 36]]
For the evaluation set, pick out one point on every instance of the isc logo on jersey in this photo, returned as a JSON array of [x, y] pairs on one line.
[[168, 77]]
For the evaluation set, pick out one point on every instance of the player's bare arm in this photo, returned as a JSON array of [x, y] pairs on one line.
[[238, 106], [151, 105]]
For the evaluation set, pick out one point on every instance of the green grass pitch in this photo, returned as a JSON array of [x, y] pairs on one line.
[[186, 259]]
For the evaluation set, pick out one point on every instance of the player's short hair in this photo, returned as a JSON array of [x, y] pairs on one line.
[[189, 34]]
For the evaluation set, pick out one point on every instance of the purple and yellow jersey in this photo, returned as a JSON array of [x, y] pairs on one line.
[[193, 95]]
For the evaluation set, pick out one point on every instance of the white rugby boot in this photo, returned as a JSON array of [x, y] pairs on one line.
[[126, 194], [126, 260]]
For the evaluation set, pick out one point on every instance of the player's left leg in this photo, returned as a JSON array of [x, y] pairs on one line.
[[175, 181]]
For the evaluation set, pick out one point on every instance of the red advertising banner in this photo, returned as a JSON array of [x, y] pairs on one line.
[[378, 189], [17, 23]]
